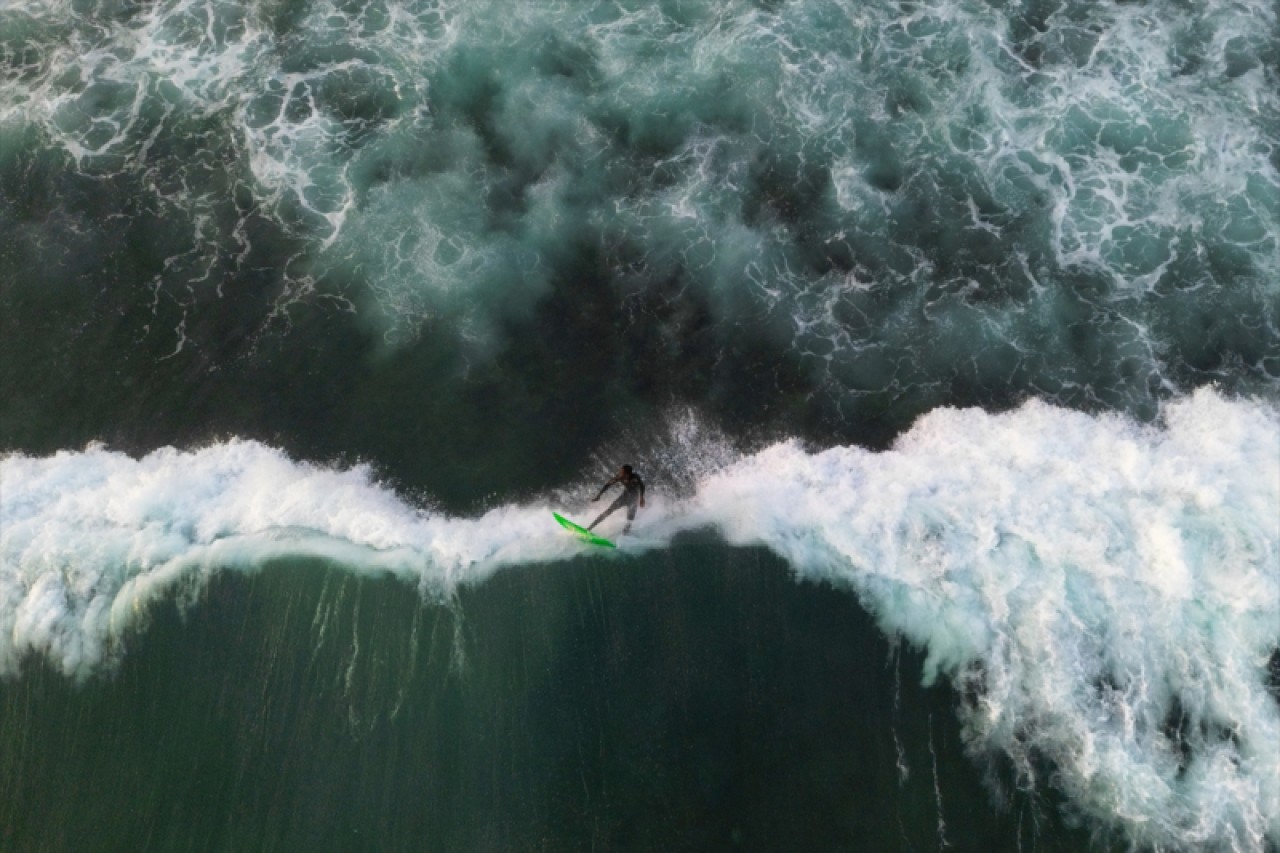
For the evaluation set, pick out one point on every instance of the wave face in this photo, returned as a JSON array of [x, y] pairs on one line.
[[1105, 596], [1074, 200]]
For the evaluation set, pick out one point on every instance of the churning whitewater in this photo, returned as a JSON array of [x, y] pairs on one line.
[[1089, 191], [1106, 595]]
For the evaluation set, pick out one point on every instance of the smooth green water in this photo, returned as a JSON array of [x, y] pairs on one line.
[[694, 700]]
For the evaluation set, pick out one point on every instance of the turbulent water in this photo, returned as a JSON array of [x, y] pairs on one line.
[[964, 314]]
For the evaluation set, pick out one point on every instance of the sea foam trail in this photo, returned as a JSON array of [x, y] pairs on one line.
[[1106, 595]]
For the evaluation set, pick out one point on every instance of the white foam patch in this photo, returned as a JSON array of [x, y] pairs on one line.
[[1108, 593], [1100, 585], [88, 538]]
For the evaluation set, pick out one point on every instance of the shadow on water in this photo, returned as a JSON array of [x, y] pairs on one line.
[[697, 699]]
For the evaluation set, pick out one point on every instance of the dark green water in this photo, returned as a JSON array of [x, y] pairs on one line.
[[696, 700]]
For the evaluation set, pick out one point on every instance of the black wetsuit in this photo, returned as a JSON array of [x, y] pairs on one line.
[[632, 495]]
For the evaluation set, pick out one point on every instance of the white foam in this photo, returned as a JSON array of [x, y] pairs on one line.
[[88, 538], [1098, 586]]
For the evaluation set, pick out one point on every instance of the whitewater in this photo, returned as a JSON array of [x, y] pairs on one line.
[[1104, 595]]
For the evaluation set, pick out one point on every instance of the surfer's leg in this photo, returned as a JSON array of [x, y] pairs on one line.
[[631, 516], [622, 499]]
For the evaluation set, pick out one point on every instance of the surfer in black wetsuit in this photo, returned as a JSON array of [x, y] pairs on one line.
[[631, 497]]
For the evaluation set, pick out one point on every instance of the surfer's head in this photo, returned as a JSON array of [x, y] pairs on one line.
[[626, 469]]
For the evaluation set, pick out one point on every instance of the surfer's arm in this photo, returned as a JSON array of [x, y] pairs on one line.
[[641, 492], [605, 488]]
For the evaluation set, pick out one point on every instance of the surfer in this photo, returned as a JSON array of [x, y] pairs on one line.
[[632, 495]]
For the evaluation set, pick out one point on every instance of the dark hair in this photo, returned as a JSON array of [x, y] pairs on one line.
[[626, 468]]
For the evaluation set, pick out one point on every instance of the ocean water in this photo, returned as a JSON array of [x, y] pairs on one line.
[[945, 336]]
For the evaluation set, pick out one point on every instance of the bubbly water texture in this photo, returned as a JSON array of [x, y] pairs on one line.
[[1088, 190], [1105, 595]]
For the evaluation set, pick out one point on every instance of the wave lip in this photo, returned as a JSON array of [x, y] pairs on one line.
[[88, 538]]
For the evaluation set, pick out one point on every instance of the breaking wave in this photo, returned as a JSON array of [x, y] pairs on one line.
[[1104, 596]]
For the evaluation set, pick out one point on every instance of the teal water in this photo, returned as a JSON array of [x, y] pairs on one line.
[[945, 336], [694, 701]]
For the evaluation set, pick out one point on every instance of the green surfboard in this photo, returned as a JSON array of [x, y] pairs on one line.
[[583, 533]]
